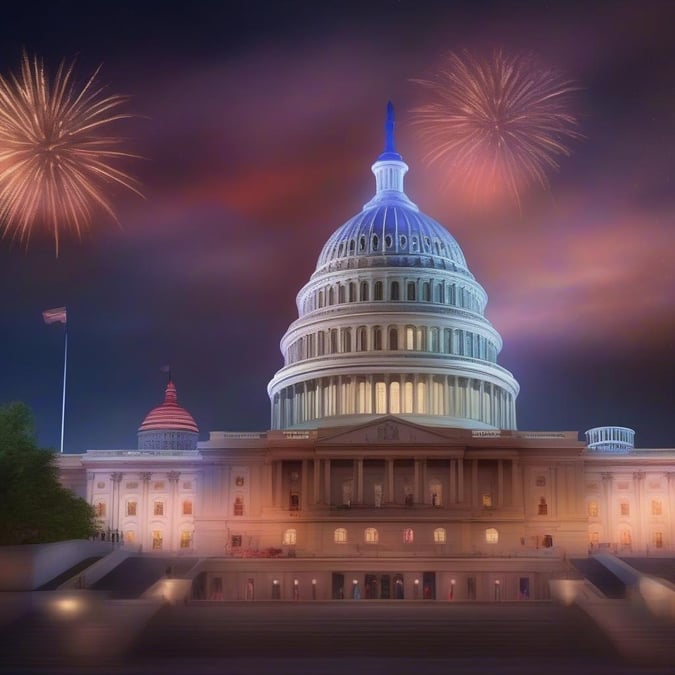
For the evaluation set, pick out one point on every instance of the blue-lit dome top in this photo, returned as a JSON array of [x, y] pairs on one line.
[[391, 231]]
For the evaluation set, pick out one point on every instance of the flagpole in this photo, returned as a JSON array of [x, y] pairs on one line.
[[65, 364]]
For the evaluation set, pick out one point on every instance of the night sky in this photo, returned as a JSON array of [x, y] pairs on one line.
[[258, 123]]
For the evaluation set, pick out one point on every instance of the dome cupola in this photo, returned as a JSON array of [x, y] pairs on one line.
[[168, 426], [392, 322]]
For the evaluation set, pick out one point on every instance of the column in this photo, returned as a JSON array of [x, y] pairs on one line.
[[426, 496], [359, 480], [389, 480], [327, 491], [500, 483], [460, 480], [173, 477], [268, 484], [304, 486], [115, 513], [670, 506], [278, 498], [145, 514], [416, 483], [609, 521], [474, 483], [452, 496], [516, 495], [316, 477], [640, 542]]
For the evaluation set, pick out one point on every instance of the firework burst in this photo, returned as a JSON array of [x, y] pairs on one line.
[[497, 125], [56, 161]]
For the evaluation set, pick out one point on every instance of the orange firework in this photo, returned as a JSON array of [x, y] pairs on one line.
[[497, 125], [55, 162]]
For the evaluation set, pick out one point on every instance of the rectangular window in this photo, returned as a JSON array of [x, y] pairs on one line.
[[159, 485], [187, 507], [156, 540], [185, 539], [658, 539], [487, 500], [625, 509], [100, 509], [236, 541], [159, 509], [131, 508], [657, 509]]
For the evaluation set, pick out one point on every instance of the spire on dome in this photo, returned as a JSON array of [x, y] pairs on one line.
[[389, 139], [170, 395]]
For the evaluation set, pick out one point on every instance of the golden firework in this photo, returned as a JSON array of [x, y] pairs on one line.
[[56, 159], [497, 124]]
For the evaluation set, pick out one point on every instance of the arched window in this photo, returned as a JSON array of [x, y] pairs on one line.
[[395, 292], [439, 535], [408, 535], [380, 398], [290, 537], [364, 291], [426, 291], [412, 295], [408, 397], [377, 338], [346, 340], [393, 338], [410, 338], [378, 291], [436, 492], [340, 535], [371, 535], [352, 291], [491, 536], [341, 293], [333, 341], [331, 296], [361, 339], [100, 509]]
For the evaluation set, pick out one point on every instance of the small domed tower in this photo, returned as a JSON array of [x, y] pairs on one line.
[[392, 322], [168, 426]]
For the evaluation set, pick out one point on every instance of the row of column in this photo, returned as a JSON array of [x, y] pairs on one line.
[[458, 492], [435, 395]]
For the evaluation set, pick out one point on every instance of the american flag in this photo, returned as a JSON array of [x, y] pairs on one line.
[[56, 315]]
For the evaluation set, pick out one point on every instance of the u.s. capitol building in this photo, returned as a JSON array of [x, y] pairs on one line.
[[394, 467]]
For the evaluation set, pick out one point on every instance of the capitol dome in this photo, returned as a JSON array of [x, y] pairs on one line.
[[392, 322], [168, 426]]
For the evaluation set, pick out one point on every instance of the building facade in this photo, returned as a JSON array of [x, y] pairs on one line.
[[393, 467]]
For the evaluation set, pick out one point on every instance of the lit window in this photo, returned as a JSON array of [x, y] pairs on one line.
[[626, 539], [439, 535], [185, 539], [159, 508], [625, 509], [657, 508], [593, 509], [187, 507], [290, 537], [340, 535], [159, 485], [129, 536], [658, 539], [131, 508], [595, 538], [408, 535], [487, 500], [371, 535], [156, 540], [100, 509], [491, 536]]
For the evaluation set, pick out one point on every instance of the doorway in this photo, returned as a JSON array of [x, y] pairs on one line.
[[371, 587], [385, 587], [429, 585], [338, 586], [399, 593]]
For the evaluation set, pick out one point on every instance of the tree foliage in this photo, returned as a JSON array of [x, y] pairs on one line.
[[34, 507]]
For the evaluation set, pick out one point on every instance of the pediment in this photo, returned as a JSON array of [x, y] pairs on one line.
[[388, 431]]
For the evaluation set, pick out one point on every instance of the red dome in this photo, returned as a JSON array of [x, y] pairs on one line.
[[169, 415]]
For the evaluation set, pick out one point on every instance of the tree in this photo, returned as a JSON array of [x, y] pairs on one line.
[[34, 507]]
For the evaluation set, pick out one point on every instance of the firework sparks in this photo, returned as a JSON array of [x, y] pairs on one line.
[[497, 125], [55, 162]]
